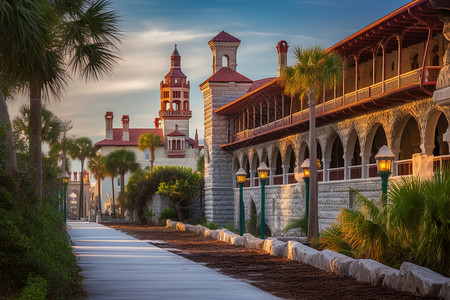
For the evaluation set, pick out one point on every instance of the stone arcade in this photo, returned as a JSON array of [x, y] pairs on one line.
[[385, 97]]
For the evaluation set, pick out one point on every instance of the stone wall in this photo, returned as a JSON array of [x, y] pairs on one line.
[[286, 202]]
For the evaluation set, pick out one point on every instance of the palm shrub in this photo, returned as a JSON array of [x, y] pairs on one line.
[[413, 226]]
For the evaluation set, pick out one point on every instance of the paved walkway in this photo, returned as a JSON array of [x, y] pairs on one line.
[[118, 266]]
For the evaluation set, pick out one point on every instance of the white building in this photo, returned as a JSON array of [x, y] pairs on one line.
[[172, 126]]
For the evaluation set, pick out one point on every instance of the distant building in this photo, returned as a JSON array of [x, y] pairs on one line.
[[172, 126], [384, 98]]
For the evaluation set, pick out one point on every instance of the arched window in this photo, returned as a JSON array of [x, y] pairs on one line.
[[225, 61], [178, 145], [174, 145], [147, 154]]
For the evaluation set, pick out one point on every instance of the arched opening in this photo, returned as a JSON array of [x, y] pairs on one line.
[[410, 141], [72, 203], [278, 177], [225, 61], [147, 154], [255, 165], [174, 145], [264, 113], [304, 153], [235, 169], [336, 171], [375, 140], [246, 167], [440, 146], [178, 145], [319, 160], [176, 105], [186, 105], [290, 164], [354, 153], [165, 105]]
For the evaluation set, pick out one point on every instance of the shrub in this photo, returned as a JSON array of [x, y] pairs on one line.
[[413, 226], [35, 290], [167, 213]]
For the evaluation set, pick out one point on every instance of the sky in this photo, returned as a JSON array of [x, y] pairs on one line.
[[151, 28]]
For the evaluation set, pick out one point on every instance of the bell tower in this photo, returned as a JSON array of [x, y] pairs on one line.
[[175, 113], [224, 45]]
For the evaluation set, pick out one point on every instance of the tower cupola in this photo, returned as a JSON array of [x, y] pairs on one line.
[[224, 45]]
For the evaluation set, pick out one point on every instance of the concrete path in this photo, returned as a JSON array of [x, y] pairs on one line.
[[117, 266]]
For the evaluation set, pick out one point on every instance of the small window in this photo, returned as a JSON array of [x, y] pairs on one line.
[[166, 94], [147, 154], [118, 181], [176, 94]]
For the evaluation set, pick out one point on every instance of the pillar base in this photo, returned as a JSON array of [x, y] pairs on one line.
[[442, 96]]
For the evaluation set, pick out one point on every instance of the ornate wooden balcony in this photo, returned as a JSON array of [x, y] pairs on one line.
[[174, 113], [394, 90]]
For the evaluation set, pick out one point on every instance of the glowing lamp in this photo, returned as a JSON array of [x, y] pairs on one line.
[[241, 175], [305, 167], [263, 171], [65, 177], [384, 159]]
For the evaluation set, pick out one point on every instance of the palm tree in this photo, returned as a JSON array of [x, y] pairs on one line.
[[150, 142], [97, 166], [81, 149], [52, 127], [111, 171], [42, 39], [62, 145], [124, 161], [5, 122], [314, 68]]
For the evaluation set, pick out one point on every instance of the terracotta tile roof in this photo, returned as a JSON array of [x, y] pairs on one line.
[[259, 83], [175, 72], [175, 133], [224, 37], [134, 137], [226, 74]]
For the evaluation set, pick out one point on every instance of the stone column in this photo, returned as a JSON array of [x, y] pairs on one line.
[[396, 152], [285, 169], [347, 164], [326, 166], [365, 159], [272, 172]]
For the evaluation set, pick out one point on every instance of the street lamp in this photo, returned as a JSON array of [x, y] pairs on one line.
[[263, 172], [65, 181], [384, 160], [305, 167], [241, 175]]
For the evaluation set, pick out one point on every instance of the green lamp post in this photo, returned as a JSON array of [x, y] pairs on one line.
[[384, 160], [65, 181], [241, 176], [263, 172], [305, 167]]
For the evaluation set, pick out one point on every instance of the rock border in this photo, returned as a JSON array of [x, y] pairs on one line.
[[411, 278]]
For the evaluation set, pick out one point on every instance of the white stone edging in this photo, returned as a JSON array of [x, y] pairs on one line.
[[411, 278]]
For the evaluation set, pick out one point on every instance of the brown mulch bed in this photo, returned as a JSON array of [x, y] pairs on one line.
[[277, 275]]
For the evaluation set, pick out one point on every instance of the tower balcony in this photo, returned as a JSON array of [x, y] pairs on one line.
[[173, 84], [175, 153], [175, 113]]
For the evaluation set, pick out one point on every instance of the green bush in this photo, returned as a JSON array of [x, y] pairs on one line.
[[167, 213], [413, 226], [35, 256], [35, 290]]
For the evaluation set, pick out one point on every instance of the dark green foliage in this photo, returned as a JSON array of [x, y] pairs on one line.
[[177, 183], [414, 226], [34, 248], [167, 213], [301, 223]]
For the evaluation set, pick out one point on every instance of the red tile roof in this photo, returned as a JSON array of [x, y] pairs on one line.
[[134, 137], [259, 83], [226, 74], [175, 72], [224, 37], [175, 133]]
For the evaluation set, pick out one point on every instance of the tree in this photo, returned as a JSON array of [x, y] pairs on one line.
[[150, 142], [42, 39], [122, 161], [97, 166], [52, 128], [314, 68], [63, 145], [5, 122], [81, 149]]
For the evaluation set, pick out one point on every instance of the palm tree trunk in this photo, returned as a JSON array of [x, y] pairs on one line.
[[152, 159], [80, 202], [313, 230], [6, 121], [113, 213], [122, 192], [36, 138], [99, 200]]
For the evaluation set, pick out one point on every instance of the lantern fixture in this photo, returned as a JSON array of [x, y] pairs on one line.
[[263, 171], [65, 177], [305, 167], [384, 159], [241, 175]]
